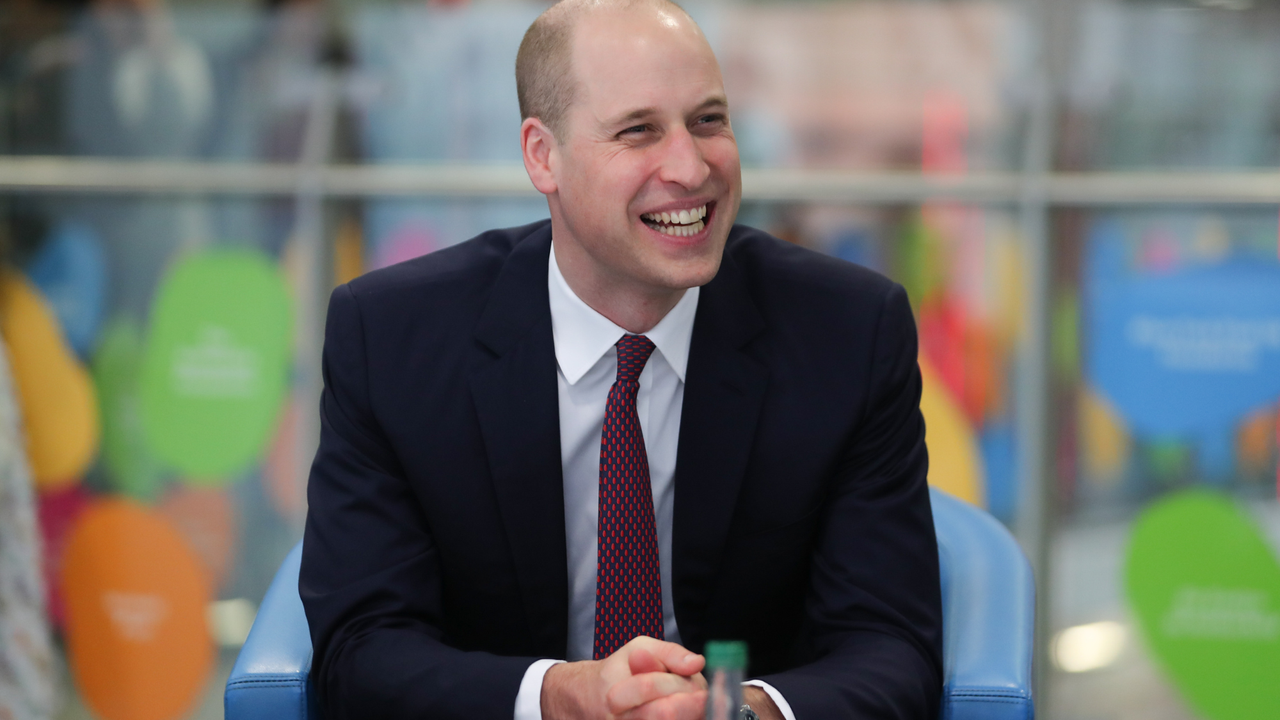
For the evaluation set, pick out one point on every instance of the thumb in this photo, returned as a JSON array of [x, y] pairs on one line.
[[672, 658]]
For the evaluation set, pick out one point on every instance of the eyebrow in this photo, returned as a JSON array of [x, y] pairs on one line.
[[641, 113]]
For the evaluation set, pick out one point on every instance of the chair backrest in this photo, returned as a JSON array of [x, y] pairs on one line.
[[988, 606], [988, 611]]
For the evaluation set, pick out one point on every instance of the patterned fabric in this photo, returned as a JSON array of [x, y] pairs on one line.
[[27, 671], [628, 584]]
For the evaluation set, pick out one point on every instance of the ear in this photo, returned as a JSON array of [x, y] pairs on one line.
[[541, 154]]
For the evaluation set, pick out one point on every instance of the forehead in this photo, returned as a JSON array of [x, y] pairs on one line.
[[645, 56]]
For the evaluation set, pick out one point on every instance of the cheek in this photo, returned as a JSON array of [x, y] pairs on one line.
[[722, 154], [611, 186]]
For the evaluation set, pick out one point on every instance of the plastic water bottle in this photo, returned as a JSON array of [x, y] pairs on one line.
[[726, 667]]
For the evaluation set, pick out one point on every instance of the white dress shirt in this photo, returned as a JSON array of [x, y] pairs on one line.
[[587, 366]]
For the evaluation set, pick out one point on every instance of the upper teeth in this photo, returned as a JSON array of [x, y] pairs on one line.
[[679, 217]]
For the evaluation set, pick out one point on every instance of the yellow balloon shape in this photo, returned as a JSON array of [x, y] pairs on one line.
[[1005, 258], [348, 252], [1104, 439], [59, 408], [955, 461]]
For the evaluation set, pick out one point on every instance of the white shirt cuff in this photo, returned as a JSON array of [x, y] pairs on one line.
[[774, 695], [529, 699]]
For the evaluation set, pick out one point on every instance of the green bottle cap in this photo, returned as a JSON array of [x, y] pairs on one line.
[[728, 654]]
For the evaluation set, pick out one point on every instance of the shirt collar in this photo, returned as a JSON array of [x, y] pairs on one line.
[[583, 336]]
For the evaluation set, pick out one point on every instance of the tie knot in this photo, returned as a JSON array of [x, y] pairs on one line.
[[633, 353]]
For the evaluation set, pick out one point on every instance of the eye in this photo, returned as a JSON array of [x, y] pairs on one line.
[[711, 121], [634, 129]]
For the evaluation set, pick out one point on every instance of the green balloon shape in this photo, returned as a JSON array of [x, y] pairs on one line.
[[131, 466], [1205, 587], [216, 363]]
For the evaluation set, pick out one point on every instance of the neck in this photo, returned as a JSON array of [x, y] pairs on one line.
[[627, 304]]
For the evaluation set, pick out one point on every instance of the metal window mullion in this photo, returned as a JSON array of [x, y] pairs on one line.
[[1102, 189], [312, 279]]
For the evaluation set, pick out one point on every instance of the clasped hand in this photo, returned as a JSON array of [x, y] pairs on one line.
[[646, 679]]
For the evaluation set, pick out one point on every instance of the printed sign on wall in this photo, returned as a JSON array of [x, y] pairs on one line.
[[136, 595], [216, 363], [59, 409], [59, 510], [288, 492], [1187, 352], [71, 271], [206, 517], [131, 466], [1206, 591], [955, 457]]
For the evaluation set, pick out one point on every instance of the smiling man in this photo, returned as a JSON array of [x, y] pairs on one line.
[[556, 460]]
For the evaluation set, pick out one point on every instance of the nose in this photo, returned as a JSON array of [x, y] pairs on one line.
[[682, 161]]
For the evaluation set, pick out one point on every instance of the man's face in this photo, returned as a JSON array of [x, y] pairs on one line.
[[648, 175]]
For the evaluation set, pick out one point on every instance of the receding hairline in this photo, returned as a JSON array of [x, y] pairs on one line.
[[545, 80], [571, 11]]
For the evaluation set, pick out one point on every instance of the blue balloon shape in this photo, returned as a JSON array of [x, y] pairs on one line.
[[1185, 353], [999, 456], [70, 269]]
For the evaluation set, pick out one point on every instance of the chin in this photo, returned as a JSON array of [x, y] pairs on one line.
[[695, 274]]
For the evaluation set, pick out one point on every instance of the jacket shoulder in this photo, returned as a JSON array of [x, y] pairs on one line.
[[458, 272], [783, 274]]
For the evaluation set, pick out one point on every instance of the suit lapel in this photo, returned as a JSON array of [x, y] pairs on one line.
[[518, 408], [723, 393]]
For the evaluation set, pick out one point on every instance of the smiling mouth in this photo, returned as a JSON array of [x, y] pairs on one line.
[[682, 223]]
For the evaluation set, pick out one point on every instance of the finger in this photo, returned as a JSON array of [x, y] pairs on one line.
[[661, 656], [640, 689], [642, 661], [631, 659], [681, 706], [699, 681]]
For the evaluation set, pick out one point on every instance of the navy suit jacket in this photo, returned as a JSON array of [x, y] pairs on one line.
[[434, 562]]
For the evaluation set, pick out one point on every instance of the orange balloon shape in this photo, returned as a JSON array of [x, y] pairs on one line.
[[59, 407], [136, 595], [981, 376], [955, 461], [207, 519], [1254, 441], [288, 495]]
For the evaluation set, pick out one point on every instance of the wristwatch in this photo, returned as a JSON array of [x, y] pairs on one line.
[[746, 713]]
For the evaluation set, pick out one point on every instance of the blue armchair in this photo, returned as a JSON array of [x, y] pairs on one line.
[[988, 606]]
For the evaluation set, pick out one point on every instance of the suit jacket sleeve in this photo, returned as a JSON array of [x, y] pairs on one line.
[[371, 577], [874, 608]]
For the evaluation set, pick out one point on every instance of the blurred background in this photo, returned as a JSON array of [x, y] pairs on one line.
[[1079, 195]]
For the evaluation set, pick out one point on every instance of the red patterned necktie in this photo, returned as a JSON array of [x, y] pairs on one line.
[[628, 585]]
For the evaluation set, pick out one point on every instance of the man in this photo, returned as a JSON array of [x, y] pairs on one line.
[[617, 435]]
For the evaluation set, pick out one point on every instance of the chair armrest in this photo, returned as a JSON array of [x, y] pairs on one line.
[[988, 601], [270, 680]]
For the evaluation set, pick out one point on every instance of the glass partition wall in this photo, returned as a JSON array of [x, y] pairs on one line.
[[1076, 196]]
